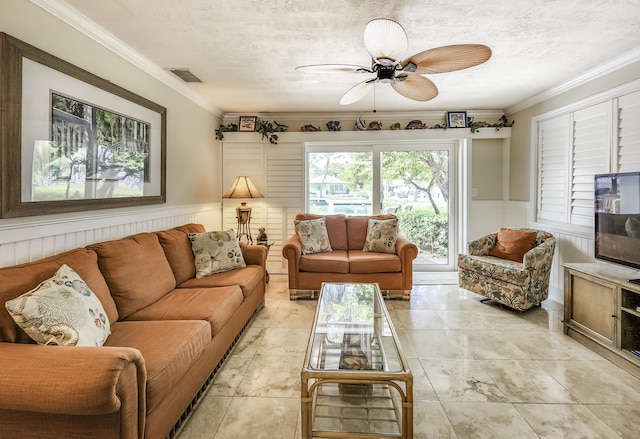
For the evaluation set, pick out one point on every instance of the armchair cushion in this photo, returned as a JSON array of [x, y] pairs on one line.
[[512, 244], [313, 236]]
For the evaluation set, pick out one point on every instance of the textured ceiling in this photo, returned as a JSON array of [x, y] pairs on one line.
[[245, 51]]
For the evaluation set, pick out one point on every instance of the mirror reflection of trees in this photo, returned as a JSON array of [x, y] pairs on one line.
[[92, 153]]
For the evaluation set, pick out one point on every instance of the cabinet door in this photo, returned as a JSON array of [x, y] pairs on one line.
[[592, 307]]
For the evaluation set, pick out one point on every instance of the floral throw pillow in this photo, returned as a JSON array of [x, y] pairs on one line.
[[381, 236], [313, 236], [215, 252], [62, 311]]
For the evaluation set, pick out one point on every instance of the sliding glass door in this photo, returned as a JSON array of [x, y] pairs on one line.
[[415, 182]]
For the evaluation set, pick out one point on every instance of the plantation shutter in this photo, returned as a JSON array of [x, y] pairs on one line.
[[554, 135], [590, 156], [285, 188], [628, 151]]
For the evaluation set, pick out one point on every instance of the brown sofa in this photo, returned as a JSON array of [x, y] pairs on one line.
[[347, 262], [169, 332]]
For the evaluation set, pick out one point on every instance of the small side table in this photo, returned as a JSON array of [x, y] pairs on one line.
[[268, 246]]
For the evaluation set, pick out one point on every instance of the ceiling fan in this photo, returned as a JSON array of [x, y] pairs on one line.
[[386, 41]]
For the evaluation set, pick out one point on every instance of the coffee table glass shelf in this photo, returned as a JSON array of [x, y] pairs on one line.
[[356, 382]]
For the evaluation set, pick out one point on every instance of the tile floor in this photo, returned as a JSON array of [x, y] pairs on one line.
[[480, 371]]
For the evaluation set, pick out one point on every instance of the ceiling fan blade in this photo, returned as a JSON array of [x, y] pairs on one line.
[[357, 92], [415, 87], [385, 40], [334, 68], [448, 58]]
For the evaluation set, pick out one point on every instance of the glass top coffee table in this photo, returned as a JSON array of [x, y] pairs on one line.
[[355, 379]]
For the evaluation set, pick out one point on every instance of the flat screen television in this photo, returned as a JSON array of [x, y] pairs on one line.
[[617, 218]]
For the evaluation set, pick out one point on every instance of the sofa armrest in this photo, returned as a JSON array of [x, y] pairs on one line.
[[254, 254], [483, 245], [406, 250], [72, 380], [292, 251]]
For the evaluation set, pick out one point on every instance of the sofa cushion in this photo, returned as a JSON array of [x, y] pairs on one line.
[[336, 228], [370, 262], [313, 236], [169, 349], [381, 236], [177, 249], [215, 252], [357, 229], [336, 261], [247, 279], [61, 311], [215, 305], [136, 271], [18, 279], [512, 244]]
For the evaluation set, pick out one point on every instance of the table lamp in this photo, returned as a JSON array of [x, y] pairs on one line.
[[243, 188]]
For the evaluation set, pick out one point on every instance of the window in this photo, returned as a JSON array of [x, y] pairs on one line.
[[414, 182]]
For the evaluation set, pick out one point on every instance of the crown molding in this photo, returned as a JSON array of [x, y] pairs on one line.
[[92, 30], [596, 72]]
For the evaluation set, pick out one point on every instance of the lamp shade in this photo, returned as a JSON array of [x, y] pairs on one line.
[[242, 188]]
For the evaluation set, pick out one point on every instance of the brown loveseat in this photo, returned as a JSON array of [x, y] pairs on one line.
[[169, 332], [347, 262]]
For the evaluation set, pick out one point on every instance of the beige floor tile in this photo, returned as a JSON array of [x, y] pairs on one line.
[[559, 421], [461, 380], [260, 418], [430, 421], [230, 376], [593, 382], [422, 389], [438, 344], [623, 419], [206, 419], [418, 319], [525, 381], [474, 420], [272, 376], [249, 342], [490, 345], [549, 345], [284, 341]]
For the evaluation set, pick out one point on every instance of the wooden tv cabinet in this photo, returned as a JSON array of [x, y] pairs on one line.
[[602, 311]]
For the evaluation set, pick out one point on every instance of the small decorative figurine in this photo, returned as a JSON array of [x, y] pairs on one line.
[[395, 126], [333, 125], [415, 125], [262, 236], [309, 128], [360, 124], [280, 127], [374, 126]]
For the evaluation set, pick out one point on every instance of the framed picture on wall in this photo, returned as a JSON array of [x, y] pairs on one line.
[[457, 119], [247, 123], [73, 141]]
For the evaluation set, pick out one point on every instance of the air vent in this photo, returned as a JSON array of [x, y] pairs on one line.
[[185, 75]]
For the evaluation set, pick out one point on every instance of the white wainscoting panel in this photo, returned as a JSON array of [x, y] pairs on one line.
[[36, 239]]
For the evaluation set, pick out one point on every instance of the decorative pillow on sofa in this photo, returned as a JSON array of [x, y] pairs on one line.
[[215, 252], [381, 236], [62, 311], [313, 235], [512, 244]]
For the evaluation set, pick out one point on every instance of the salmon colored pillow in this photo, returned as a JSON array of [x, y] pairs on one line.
[[512, 244]]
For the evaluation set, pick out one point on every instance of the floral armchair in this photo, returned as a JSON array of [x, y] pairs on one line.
[[518, 285]]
